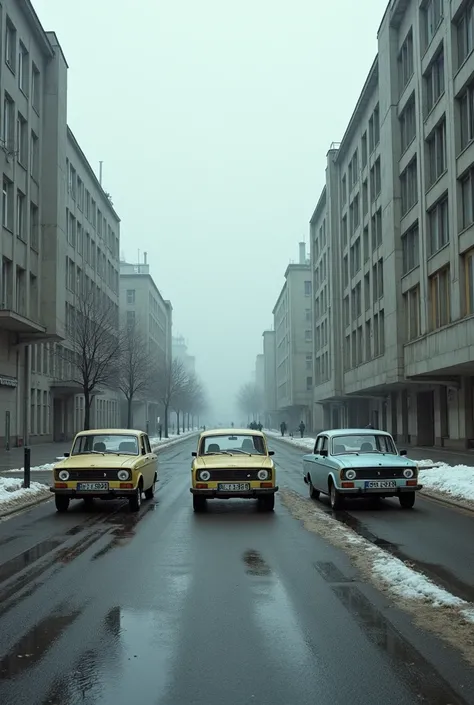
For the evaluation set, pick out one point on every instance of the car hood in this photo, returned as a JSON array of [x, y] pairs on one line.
[[97, 461], [235, 461], [373, 460]]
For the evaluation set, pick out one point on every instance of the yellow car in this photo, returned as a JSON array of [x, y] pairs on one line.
[[106, 464], [233, 463]]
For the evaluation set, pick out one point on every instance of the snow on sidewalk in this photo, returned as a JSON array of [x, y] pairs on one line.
[[13, 495], [453, 481]]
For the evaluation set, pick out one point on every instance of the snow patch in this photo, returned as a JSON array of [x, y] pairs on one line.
[[12, 493]]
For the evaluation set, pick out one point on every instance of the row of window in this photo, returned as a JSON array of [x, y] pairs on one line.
[[18, 291], [353, 168], [18, 139], [366, 342], [92, 253], [17, 59], [17, 217]]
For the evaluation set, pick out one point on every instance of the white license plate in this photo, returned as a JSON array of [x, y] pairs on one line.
[[92, 486], [380, 485], [233, 486]]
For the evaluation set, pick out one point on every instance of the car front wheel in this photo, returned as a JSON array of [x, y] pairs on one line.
[[135, 502], [313, 493], [335, 497], [150, 492], [62, 502], [199, 503], [407, 500], [267, 503]]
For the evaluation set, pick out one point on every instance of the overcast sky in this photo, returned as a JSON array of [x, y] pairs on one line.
[[213, 120]]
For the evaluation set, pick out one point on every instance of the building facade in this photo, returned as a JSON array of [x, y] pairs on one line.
[[36, 402], [402, 234], [269, 381], [142, 305], [180, 352], [294, 345]]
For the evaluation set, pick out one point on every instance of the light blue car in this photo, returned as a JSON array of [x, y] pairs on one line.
[[352, 462]]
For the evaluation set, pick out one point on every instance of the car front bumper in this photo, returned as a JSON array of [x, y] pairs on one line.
[[385, 492], [247, 494], [114, 493]]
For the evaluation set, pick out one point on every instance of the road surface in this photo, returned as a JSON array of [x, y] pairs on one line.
[[233, 606]]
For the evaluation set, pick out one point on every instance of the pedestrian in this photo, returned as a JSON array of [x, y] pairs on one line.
[[260, 427], [369, 425], [283, 428], [160, 430], [302, 428]]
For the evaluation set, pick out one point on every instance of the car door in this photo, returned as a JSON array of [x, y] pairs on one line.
[[320, 479], [310, 464], [148, 467]]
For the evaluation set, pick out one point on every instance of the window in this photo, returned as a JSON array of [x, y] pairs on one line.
[[465, 32], [8, 123], [309, 362], [7, 204], [466, 116], [381, 332], [375, 180], [439, 299], [409, 187], [80, 194], [308, 335], [412, 312], [344, 231], [10, 44], [345, 272], [35, 88], [411, 249], [434, 80], [376, 336], [469, 282], [360, 354], [356, 301], [130, 296], [347, 319], [347, 352], [366, 244], [34, 146], [34, 225], [364, 150], [368, 342], [344, 190], [377, 229], [130, 319], [22, 136], [380, 278], [307, 314], [365, 198], [20, 291], [307, 288], [438, 225], [376, 125], [23, 69], [72, 182], [309, 383], [405, 61], [408, 124], [467, 190], [354, 349], [437, 152], [355, 257], [354, 214], [20, 215], [7, 284], [367, 290], [433, 14], [353, 170]]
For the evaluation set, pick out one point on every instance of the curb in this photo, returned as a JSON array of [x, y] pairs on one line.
[[21, 507]]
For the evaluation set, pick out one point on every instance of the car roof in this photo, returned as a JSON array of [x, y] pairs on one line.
[[110, 432], [332, 433], [230, 432]]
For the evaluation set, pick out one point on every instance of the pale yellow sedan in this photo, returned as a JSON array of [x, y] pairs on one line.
[[106, 464], [232, 463]]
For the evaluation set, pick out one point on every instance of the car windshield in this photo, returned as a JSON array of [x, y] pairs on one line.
[[363, 443], [241, 443], [102, 443]]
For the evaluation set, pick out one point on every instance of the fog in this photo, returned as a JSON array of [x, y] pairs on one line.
[[213, 120]]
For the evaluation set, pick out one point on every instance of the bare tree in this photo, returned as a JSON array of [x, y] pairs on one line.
[[249, 399], [92, 350], [191, 400], [135, 367], [171, 381]]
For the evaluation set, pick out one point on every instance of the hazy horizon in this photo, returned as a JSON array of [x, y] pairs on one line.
[[213, 124]]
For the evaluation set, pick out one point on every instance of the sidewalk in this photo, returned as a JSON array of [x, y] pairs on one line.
[[41, 454]]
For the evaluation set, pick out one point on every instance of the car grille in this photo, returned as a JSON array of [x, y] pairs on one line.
[[379, 473], [97, 474], [239, 474]]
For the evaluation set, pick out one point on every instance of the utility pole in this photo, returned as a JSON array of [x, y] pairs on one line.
[[100, 173]]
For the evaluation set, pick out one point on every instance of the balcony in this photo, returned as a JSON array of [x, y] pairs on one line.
[[447, 351], [16, 323]]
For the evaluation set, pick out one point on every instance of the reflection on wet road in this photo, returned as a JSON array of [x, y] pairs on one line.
[[233, 606]]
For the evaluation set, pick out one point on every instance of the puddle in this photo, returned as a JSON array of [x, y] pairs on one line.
[[32, 647], [420, 676], [17, 564], [437, 573], [255, 565]]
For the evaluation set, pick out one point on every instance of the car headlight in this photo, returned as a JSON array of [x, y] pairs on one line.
[[63, 475], [204, 475], [123, 475], [350, 474], [262, 475], [408, 472]]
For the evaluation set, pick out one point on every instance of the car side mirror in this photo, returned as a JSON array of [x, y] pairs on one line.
[[323, 453], [403, 452], [271, 452], [67, 455], [143, 451], [194, 454]]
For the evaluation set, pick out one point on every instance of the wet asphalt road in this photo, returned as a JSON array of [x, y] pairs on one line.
[[232, 606]]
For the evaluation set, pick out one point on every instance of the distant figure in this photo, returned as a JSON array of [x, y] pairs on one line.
[[283, 428], [160, 430], [232, 424], [259, 426], [369, 425], [302, 428]]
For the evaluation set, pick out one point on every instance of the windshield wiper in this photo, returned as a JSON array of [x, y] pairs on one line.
[[91, 452], [239, 450], [219, 452]]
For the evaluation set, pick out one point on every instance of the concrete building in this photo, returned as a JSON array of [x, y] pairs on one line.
[[46, 180], [180, 352], [269, 382], [294, 344], [142, 304], [260, 372], [403, 235]]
